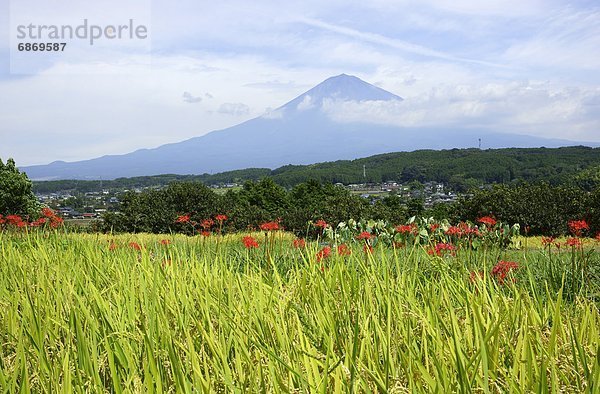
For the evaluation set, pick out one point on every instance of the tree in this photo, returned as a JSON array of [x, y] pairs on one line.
[[16, 196]]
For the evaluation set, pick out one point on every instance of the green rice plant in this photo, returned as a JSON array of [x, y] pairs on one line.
[[147, 313]]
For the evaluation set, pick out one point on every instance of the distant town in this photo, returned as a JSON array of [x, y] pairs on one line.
[[71, 204]]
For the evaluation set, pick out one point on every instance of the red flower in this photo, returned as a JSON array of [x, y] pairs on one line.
[[324, 253], [502, 269], [344, 250], [577, 227], [182, 219], [487, 220], [434, 227], [38, 222], [441, 248], [454, 230], [2, 220], [547, 241], [249, 242], [55, 221], [15, 220], [407, 229], [47, 212], [207, 223], [574, 242], [367, 249], [364, 235], [467, 230], [205, 233], [221, 218], [135, 246], [299, 243], [165, 242], [269, 226], [321, 223]]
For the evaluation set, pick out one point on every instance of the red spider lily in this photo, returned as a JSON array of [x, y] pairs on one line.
[[165, 242], [299, 243], [441, 248], [344, 250], [55, 221], [454, 230], [269, 226], [47, 212], [15, 220], [205, 233], [574, 242], [367, 249], [487, 220], [467, 230], [249, 242], [321, 223], [433, 227], [407, 229], [475, 276], [577, 227], [365, 235], [135, 246], [502, 269], [324, 253], [182, 219], [2, 220], [112, 246], [221, 218], [547, 241], [207, 223], [38, 222]]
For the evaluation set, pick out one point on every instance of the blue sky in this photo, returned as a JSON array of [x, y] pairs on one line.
[[527, 67]]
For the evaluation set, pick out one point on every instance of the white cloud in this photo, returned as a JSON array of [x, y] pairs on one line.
[[235, 109], [306, 103], [190, 98], [529, 108]]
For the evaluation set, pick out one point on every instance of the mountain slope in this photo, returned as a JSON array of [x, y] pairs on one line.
[[299, 132]]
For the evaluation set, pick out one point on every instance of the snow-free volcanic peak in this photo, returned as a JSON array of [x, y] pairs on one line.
[[342, 87]]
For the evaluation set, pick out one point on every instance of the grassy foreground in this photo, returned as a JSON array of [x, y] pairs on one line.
[[92, 313]]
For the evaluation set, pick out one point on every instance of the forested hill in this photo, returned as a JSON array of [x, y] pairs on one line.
[[457, 167]]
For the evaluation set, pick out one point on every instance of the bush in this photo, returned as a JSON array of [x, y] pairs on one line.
[[16, 196]]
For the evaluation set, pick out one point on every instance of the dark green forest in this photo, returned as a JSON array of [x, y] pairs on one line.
[[540, 208], [461, 169]]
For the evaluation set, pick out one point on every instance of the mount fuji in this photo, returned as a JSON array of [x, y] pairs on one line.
[[299, 132]]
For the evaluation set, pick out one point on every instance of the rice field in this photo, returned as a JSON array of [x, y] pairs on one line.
[[154, 313]]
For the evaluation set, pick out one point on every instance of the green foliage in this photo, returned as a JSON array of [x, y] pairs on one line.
[[540, 208], [155, 211], [460, 168], [16, 196]]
